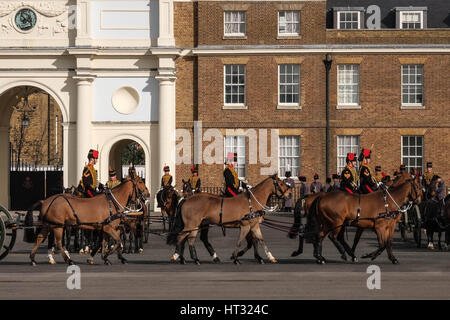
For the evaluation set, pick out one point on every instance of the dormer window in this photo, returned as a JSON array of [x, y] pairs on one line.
[[348, 18], [411, 17]]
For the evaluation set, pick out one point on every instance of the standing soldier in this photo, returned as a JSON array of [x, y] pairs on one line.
[[166, 180], [336, 184], [327, 187], [304, 190], [368, 183], [113, 181], [316, 185], [349, 179], [88, 184], [230, 175], [291, 185], [378, 174], [194, 180]]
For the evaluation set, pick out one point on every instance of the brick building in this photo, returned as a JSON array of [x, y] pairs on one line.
[[260, 65]]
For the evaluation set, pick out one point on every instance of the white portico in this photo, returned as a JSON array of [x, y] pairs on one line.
[[113, 77]]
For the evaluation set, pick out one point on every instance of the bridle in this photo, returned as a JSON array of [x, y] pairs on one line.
[[278, 189]]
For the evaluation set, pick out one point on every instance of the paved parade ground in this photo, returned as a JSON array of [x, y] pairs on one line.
[[421, 274]]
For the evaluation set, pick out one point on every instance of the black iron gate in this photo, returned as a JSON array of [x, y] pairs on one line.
[[29, 184]]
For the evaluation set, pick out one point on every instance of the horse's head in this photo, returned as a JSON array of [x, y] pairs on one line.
[[416, 193], [281, 190], [139, 188], [187, 190]]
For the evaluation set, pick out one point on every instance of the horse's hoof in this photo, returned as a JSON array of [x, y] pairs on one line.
[[182, 261], [124, 261], [367, 255], [52, 261], [430, 246], [395, 261], [260, 261], [236, 261], [295, 253], [355, 259], [90, 261], [107, 262], [81, 251], [197, 262], [273, 260], [71, 263], [141, 251], [344, 257], [216, 260], [33, 263]]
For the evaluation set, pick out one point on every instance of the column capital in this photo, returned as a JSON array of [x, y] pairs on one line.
[[84, 79], [166, 74]]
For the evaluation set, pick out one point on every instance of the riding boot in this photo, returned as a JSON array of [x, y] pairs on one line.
[[194, 254]]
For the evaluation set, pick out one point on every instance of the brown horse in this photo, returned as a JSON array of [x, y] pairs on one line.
[[205, 208], [98, 213], [336, 210], [168, 200]]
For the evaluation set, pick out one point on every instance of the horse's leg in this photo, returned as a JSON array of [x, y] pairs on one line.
[[338, 245], [255, 249], [204, 238], [192, 251], [256, 230], [389, 242], [179, 248], [430, 236], [58, 232], [96, 248], [344, 243], [381, 244], [317, 243], [163, 220], [301, 240], [439, 240], [39, 239], [244, 230], [51, 248], [118, 246], [358, 234], [250, 242]]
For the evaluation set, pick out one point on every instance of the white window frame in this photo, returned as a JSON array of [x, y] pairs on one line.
[[289, 104], [358, 14], [298, 141], [411, 12], [408, 167], [352, 147], [409, 104], [232, 105], [348, 104], [238, 34], [237, 145], [289, 34]]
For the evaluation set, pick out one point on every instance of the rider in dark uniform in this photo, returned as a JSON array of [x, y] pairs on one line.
[[166, 182], [231, 177], [368, 183], [349, 179], [88, 185], [194, 180], [428, 176]]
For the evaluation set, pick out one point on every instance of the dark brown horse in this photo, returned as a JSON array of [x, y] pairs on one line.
[[168, 200], [205, 208], [336, 210], [88, 213]]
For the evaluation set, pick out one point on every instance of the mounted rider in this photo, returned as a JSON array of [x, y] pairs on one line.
[[194, 180], [349, 178], [378, 174], [368, 183], [231, 177], [166, 183], [428, 176], [89, 186], [112, 181]]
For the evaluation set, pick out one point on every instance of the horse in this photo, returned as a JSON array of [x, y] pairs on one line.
[[336, 210], [433, 215], [226, 212], [168, 200], [204, 230], [98, 213]]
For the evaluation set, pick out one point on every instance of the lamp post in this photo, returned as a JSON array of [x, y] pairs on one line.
[[327, 62]]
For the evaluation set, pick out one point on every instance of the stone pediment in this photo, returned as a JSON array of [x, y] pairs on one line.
[[46, 8]]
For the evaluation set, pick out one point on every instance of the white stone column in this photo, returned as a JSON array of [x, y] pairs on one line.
[[167, 118], [84, 119], [166, 36]]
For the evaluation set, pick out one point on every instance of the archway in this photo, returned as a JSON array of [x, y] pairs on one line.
[[125, 152], [31, 145]]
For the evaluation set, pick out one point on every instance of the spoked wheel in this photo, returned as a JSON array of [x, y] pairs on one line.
[[8, 232]]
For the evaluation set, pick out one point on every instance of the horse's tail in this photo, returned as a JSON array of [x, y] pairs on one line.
[[312, 223], [29, 232], [178, 226], [297, 219]]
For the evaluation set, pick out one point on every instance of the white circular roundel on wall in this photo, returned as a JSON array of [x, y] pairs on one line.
[[125, 100]]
